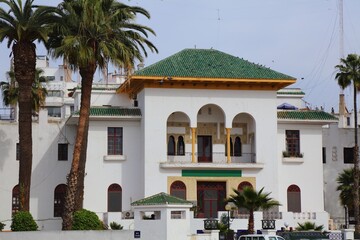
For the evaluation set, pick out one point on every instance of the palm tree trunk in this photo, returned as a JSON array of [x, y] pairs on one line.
[[24, 69], [251, 222], [80, 146], [80, 185], [356, 167]]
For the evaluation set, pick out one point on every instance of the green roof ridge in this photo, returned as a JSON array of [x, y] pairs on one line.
[[305, 115], [161, 199], [209, 63]]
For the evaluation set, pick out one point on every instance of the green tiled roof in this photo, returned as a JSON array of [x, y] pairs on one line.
[[209, 63], [113, 111], [161, 199], [281, 92], [305, 115]]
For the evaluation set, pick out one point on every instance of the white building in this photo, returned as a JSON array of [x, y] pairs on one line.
[[195, 125], [338, 152]]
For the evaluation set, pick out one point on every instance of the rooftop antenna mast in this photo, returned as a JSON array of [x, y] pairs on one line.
[[341, 32]]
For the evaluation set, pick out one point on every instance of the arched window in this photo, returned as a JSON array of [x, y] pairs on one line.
[[178, 189], [15, 206], [237, 150], [59, 199], [114, 198], [244, 184], [231, 148], [294, 198], [171, 146], [180, 146], [241, 187]]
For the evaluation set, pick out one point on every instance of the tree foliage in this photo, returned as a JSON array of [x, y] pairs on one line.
[[90, 35], [252, 200], [349, 75]]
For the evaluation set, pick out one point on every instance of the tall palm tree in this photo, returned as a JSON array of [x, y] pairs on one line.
[[92, 34], [10, 90], [253, 201], [22, 25], [349, 74]]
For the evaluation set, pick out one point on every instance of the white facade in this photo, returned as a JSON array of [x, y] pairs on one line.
[[145, 166]]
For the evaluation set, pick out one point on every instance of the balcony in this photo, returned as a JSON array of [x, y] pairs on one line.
[[7, 114], [217, 160]]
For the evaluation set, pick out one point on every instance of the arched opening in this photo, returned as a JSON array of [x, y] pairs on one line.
[[237, 147], [243, 131], [240, 188], [244, 184], [294, 198], [180, 146], [178, 189], [114, 198], [171, 146], [211, 135], [15, 206], [178, 135], [59, 199]]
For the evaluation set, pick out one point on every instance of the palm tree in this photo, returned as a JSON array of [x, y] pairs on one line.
[[307, 226], [94, 33], [253, 201], [10, 90], [349, 74], [345, 182], [22, 25]]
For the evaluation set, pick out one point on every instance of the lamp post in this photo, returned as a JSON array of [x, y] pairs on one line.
[[228, 208]]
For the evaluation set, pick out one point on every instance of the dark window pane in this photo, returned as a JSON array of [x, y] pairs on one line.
[[59, 198], [114, 198], [62, 151], [293, 142], [348, 155], [171, 146], [115, 141]]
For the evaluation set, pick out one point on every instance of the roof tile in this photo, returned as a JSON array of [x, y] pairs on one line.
[[161, 199], [209, 63]]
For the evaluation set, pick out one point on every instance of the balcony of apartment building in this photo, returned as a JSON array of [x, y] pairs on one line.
[[211, 144], [7, 114]]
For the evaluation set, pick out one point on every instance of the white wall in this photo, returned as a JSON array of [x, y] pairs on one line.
[[306, 172]]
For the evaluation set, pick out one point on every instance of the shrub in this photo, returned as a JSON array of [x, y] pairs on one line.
[[86, 220], [2, 225], [23, 221], [116, 226]]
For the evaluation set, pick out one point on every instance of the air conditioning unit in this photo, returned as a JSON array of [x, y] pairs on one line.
[[127, 215]]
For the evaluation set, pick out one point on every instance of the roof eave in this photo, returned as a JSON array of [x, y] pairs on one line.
[[307, 121]]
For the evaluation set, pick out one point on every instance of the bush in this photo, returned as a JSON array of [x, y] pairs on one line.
[[116, 226], [86, 220], [23, 221], [2, 225]]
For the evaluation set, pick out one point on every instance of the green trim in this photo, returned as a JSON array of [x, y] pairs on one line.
[[211, 173]]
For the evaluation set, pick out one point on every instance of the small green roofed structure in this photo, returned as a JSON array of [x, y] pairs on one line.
[[161, 199]]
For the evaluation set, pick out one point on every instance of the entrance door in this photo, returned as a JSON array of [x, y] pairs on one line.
[[204, 148], [210, 198]]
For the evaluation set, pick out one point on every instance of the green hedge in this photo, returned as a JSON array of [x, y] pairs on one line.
[[86, 220], [23, 221]]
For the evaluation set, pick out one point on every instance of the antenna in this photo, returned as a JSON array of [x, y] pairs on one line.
[[341, 33]]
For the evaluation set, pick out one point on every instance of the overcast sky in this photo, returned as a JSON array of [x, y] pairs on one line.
[[296, 37]]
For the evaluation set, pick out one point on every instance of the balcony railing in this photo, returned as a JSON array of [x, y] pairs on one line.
[[218, 160], [7, 114], [217, 157]]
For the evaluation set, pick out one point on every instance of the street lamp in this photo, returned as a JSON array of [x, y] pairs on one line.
[[228, 209]]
